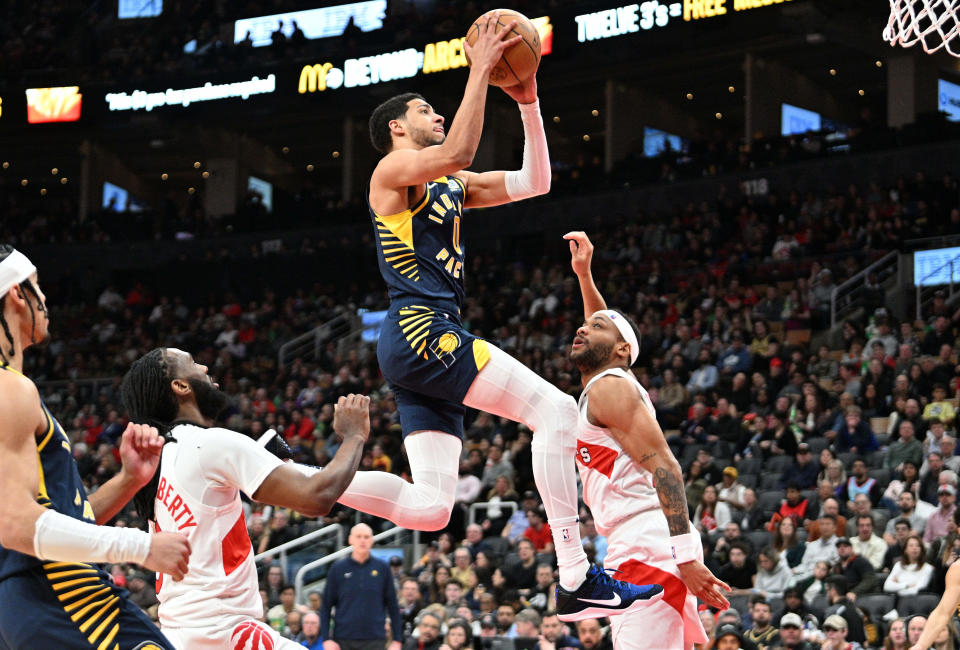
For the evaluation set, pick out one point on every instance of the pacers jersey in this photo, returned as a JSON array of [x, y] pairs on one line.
[[59, 488], [419, 250], [614, 487]]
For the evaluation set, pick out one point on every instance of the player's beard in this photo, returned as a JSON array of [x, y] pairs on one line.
[[210, 400], [426, 138], [591, 358]]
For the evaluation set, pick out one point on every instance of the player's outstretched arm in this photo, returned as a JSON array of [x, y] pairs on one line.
[[614, 405], [941, 615], [533, 178], [140, 449], [314, 492], [407, 167], [29, 528], [581, 254]]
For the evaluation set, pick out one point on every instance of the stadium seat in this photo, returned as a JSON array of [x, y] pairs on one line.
[[499, 546], [922, 603], [875, 460], [877, 604], [770, 481], [882, 475], [748, 480], [846, 458], [769, 501], [817, 445], [759, 539], [879, 425], [777, 464], [750, 466], [798, 337], [826, 383]]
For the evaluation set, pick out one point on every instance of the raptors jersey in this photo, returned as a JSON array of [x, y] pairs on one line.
[[201, 477], [615, 488]]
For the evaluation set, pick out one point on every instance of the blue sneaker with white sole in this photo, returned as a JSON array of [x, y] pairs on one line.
[[600, 596]]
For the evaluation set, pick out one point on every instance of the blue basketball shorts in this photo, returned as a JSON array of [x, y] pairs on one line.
[[429, 362]]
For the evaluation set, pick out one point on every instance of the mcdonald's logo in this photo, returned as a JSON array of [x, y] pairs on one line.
[[318, 77], [53, 104]]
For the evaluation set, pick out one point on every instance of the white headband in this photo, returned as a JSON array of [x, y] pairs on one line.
[[626, 331], [14, 269]]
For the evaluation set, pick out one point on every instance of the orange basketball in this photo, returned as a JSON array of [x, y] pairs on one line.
[[520, 60]]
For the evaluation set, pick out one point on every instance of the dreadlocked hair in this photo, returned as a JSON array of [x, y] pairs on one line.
[[149, 399], [27, 287]]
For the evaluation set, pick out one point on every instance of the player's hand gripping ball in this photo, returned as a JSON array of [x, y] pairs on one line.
[[519, 61]]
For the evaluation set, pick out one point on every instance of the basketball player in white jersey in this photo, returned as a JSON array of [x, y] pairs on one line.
[[202, 471], [631, 480]]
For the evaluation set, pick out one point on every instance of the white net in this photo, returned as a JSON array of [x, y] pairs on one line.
[[934, 24]]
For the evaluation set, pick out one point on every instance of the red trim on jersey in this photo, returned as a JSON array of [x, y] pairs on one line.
[[236, 546], [596, 457], [638, 573]]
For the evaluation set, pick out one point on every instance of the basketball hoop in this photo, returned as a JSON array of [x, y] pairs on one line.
[[934, 24]]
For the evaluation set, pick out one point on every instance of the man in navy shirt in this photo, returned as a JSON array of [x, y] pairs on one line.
[[360, 591]]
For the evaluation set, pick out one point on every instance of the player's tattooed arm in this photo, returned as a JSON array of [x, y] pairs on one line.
[[616, 405], [673, 499]]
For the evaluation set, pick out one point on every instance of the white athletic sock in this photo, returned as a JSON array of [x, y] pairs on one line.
[[507, 388], [426, 503]]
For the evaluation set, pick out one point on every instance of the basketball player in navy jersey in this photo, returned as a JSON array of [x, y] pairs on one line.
[[50, 596], [433, 365]]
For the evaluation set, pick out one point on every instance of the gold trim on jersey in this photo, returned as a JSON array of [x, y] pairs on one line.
[[48, 434], [481, 353], [90, 605], [415, 321]]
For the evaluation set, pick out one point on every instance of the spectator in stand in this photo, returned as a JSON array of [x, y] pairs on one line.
[[311, 632], [721, 549], [711, 472], [795, 505], [791, 633], [770, 307], [506, 621], [858, 572], [520, 570], [866, 544], [793, 603], [589, 534], [939, 408], [856, 436], [705, 377], [860, 483], [277, 616], [843, 607], [906, 449], [750, 517], [937, 337], [948, 447], [934, 440], [552, 629], [911, 573], [820, 296], [496, 467], [908, 511], [410, 603], [358, 598], [763, 634], [930, 480], [824, 548], [803, 470], [896, 636], [938, 523], [739, 572], [462, 569], [837, 629], [592, 636], [729, 491], [711, 513], [538, 532], [773, 574], [694, 430], [830, 506], [527, 622], [786, 543], [429, 625], [459, 635], [908, 480], [294, 626], [727, 425], [729, 636], [736, 358]]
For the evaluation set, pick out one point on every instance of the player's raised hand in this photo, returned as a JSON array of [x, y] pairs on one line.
[[581, 251], [703, 584], [169, 554], [140, 448], [490, 44], [351, 416], [524, 92]]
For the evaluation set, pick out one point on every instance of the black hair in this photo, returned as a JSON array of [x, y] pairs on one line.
[[837, 582], [5, 251], [392, 109], [149, 399]]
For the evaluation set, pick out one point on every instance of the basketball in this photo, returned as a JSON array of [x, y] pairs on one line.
[[520, 60]]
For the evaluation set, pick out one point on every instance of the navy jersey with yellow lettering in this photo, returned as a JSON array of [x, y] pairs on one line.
[[419, 250], [60, 487]]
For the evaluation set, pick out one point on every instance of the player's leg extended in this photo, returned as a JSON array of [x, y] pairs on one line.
[[426, 503], [507, 388]]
